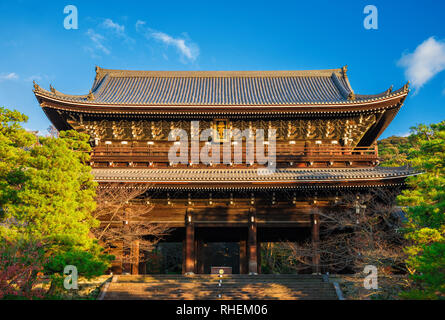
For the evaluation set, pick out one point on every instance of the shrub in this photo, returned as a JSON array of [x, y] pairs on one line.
[[20, 265]]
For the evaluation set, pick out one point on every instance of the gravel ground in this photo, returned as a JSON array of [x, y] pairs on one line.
[[353, 288]]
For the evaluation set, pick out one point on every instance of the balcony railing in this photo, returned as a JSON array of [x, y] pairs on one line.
[[284, 152]]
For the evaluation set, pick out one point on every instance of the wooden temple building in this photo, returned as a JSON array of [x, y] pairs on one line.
[[325, 143]]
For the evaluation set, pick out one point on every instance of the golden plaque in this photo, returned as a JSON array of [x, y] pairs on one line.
[[221, 128]]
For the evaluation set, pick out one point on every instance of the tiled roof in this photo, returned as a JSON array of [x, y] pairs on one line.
[[203, 176], [202, 88]]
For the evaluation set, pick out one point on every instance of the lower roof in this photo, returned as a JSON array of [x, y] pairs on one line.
[[247, 177]]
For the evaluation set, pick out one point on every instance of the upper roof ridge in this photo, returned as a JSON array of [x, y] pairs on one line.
[[101, 72]]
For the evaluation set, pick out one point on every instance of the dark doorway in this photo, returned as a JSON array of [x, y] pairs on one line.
[[219, 247], [166, 258], [221, 254]]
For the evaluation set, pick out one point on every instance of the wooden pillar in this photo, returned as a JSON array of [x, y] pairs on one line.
[[243, 257], [189, 243], [117, 266], [315, 243], [134, 254], [196, 255], [252, 242], [143, 265], [183, 254], [258, 250], [199, 256], [127, 247]]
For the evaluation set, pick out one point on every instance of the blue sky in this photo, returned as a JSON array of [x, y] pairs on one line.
[[409, 44]]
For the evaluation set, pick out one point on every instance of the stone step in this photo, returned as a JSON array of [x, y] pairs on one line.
[[235, 276], [234, 287], [225, 285], [285, 282], [322, 294], [125, 279]]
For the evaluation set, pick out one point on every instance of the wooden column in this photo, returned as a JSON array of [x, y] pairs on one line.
[[199, 256], [117, 266], [315, 243], [134, 254], [196, 255], [202, 257], [127, 247], [189, 243], [252, 242], [183, 254], [243, 256], [143, 265], [258, 250]]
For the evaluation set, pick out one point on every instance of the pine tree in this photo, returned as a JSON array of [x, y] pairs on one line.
[[424, 205], [47, 194]]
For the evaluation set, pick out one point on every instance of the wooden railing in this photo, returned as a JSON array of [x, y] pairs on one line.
[[284, 151]]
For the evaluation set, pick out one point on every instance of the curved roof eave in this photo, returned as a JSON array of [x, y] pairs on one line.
[[130, 89], [338, 104]]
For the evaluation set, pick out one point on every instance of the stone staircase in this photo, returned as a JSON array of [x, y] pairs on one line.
[[214, 287]]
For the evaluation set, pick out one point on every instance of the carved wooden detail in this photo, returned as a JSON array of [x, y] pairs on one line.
[[348, 130]]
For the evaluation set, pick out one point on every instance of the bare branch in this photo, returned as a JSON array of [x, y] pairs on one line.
[[124, 211], [357, 230]]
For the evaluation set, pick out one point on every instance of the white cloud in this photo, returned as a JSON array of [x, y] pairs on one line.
[[101, 42], [140, 24], [98, 42], [9, 76], [117, 28], [34, 78], [405, 134], [185, 47], [427, 60], [14, 76]]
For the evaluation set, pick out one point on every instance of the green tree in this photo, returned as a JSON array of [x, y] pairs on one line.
[[394, 151], [14, 145], [424, 205], [47, 192]]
